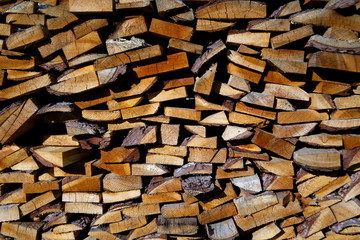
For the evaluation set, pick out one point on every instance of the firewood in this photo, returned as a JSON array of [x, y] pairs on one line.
[[203, 105], [26, 37], [351, 141], [170, 30], [227, 195], [246, 61], [38, 202], [317, 222], [260, 99], [251, 183], [294, 130], [148, 170], [56, 43], [84, 208], [25, 19], [273, 182], [130, 57], [21, 7], [320, 102], [323, 139], [276, 166], [339, 182], [274, 25], [314, 184], [132, 26], [288, 92], [344, 114], [90, 6], [337, 61], [239, 83], [178, 226], [212, 26], [141, 210], [236, 133], [82, 45], [112, 197], [40, 187], [20, 230], [177, 61], [119, 45], [272, 143], [243, 119], [351, 189], [243, 108], [287, 9], [237, 10], [340, 33], [332, 45], [216, 119], [211, 51], [168, 95], [269, 231], [127, 224], [248, 38], [177, 210], [143, 231], [204, 83], [221, 174], [187, 16], [81, 197], [164, 7], [289, 37], [332, 88], [217, 213], [298, 116], [27, 87], [16, 196], [161, 197], [320, 17], [276, 212], [338, 125], [247, 205], [6, 29], [313, 159]]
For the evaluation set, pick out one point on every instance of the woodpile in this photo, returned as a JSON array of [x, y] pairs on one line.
[[170, 119]]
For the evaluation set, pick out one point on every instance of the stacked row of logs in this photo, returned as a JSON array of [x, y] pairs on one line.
[[163, 119]]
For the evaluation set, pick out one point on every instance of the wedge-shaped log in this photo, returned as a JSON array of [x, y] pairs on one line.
[[248, 204], [177, 226], [318, 159], [61, 156], [174, 62], [327, 18], [22, 230], [272, 143], [231, 10], [170, 30], [91, 6], [26, 37], [336, 61], [222, 230]]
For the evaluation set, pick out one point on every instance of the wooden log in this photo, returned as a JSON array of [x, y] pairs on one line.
[[38, 202], [314, 184], [316, 222], [138, 136], [272, 143], [112, 197], [292, 36], [323, 140], [287, 9], [57, 42], [148, 170], [332, 45], [82, 45], [119, 45], [28, 230], [232, 10], [180, 45], [26, 37], [177, 210], [260, 99], [161, 197], [127, 224], [339, 125], [84, 208], [288, 92], [337, 61], [246, 61], [27, 87], [91, 6], [318, 159], [321, 17], [340, 33], [143, 231], [130, 27], [168, 95], [222, 230], [250, 183], [211, 51], [217, 213], [273, 25], [269, 231], [294, 130], [277, 166], [273, 182], [212, 26], [334, 185], [177, 61], [244, 119], [298, 116], [248, 38], [248, 204], [178, 226], [170, 30], [25, 19], [320, 102]]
